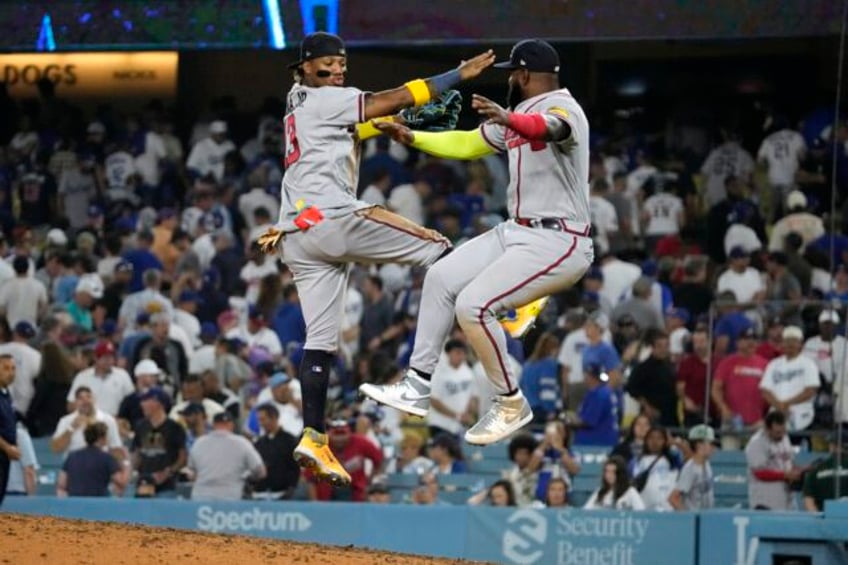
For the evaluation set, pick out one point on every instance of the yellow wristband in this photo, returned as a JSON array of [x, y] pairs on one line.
[[419, 90], [366, 130]]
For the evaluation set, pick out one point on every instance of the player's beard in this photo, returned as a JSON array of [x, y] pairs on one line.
[[514, 96]]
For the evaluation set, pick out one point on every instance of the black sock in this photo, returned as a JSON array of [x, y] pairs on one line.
[[422, 374], [314, 381]]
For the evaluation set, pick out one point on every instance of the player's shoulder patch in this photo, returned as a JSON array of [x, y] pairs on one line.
[[559, 112]]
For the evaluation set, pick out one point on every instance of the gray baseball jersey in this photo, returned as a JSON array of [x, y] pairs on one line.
[[322, 152], [547, 180], [513, 265], [322, 168]]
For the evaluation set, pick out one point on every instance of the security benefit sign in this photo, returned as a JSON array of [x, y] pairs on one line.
[[581, 537], [92, 75]]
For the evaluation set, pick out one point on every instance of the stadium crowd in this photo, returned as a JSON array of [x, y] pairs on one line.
[[156, 346]]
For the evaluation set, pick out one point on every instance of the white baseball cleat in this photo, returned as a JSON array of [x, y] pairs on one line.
[[507, 415], [411, 394]]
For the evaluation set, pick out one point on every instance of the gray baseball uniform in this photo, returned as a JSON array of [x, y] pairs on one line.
[[322, 166], [514, 264]]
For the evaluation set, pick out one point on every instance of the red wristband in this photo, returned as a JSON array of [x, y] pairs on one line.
[[529, 126]]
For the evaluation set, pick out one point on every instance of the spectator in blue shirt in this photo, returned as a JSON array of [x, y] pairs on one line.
[[142, 259], [730, 325], [540, 381], [600, 352], [89, 471], [597, 422], [288, 322]]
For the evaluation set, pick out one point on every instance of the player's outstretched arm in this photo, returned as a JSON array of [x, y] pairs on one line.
[[420, 91], [550, 126], [446, 144]]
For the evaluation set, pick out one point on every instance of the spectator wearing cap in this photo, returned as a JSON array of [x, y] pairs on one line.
[[191, 390], [640, 306], [598, 351], [27, 365], [694, 489], [820, 482], [108, 383], [653, 383], [89, 471], [259, 335], [276, 447], [222, 461], [142, 259], [597, 418], [693, 292], [202, 359], [146, 374], [89, 289], [594, 282], [676, 322], [142, 300], [540, 380], [736, 383], [78, 186], [284, 394], [791, 381], [451, 393], [829, 351], [185, 315], [158, 447], [798, 219], [692, 377], [195, 421], [23, 298], [96, 224], [37, 191], [68, 435], [359, 456], [168, 352], [619, 276], [258, 266], [118, 290], [740, 278], [207, 155]]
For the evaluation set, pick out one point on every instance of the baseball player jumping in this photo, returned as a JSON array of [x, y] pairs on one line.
[[326, 228], [544, 248]]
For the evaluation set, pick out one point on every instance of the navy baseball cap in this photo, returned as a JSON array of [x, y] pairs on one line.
[[595, 273], [255, 313], [535, 55], [737, 252], [222, 417], [157, 394], [25, 329], [95, 211], [208, 329], [681, 314], [189, 296], [193, 408], [124, 266], [319, 44]]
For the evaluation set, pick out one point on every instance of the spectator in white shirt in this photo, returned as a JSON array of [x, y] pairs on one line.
[[662, 214], [207, 156], [798, 219], [141, 301], [27, 365], [191, 390], [109, 384], [258, 267], [23, 298], [375, 192], [603, 214], [615, 492], [791, 381], [744, 281], [452, 383], [619, 277], [259, 335], [407, 200], [184, 316], [69, 431], [728, 159], [257, 197], [781, 153], [828, 350]]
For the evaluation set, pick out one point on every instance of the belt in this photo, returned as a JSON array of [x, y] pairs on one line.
[[556, 224]]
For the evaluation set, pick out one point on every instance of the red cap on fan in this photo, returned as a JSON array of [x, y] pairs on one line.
[[104, 348]]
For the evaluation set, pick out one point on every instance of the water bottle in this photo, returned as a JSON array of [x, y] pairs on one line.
[[738, 423]]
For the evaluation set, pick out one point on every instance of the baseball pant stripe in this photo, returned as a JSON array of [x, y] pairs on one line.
[[512, 290]]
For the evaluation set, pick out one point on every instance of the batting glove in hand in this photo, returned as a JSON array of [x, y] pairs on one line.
[[272, 237], [308, 218], [440, 114]]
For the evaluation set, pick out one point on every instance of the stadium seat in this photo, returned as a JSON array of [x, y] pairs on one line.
[[402, 480]]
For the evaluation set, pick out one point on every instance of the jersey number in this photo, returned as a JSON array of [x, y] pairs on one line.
[[292, 147]]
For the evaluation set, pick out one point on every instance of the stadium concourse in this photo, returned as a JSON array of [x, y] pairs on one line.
[[133, 297]]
